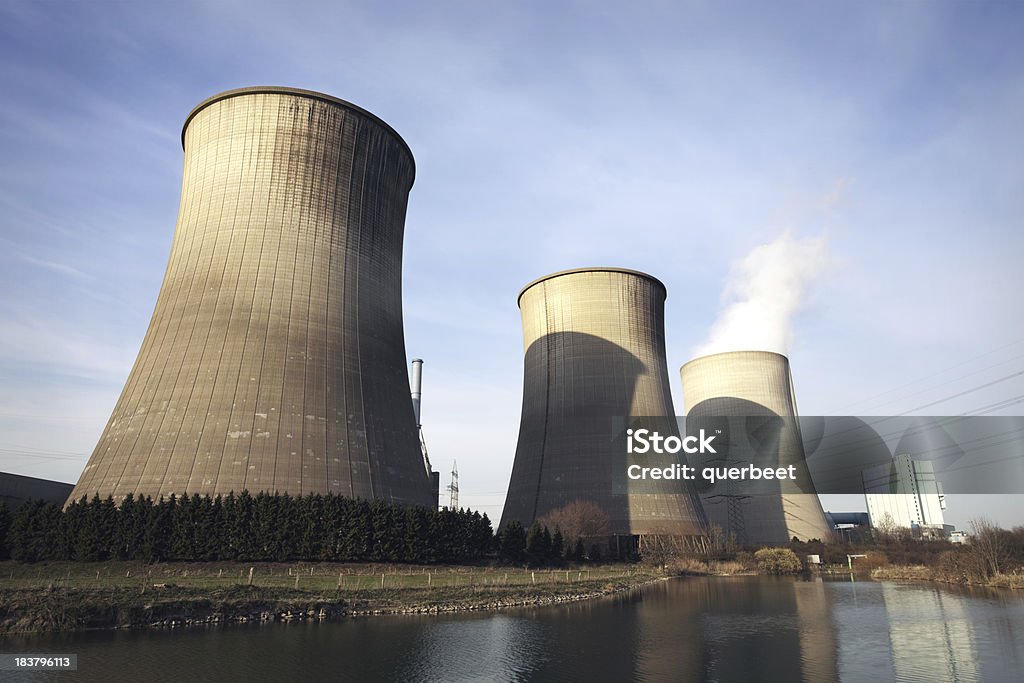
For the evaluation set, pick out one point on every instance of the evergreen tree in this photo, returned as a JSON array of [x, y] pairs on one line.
[[241, 529], [578, 550], [536, 550], [484, 535], [25, 546], [227, 522], [359, 539], [384, 522], [545, 546], [267, 527], [108, 522], [513, 542], [330, 544], [67, 529], [158, 531], [311, 525], [87, 537], [126, 528], [182, 529], [211, 528], [264, 526], [144, 516], [275, 526], [417, 535], [557, 545], [207, 537]]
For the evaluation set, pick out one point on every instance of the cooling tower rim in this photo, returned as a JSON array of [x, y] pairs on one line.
[[740, 352], [594, 269], [297, 92]]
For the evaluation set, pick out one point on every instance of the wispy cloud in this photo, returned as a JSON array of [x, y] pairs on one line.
[[55, 266]]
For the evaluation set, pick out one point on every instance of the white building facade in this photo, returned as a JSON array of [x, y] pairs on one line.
[[904, 494]]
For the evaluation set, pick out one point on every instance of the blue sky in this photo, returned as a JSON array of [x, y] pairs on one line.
[[670, 137]]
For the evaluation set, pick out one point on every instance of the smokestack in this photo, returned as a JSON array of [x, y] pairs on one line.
[[756, 386], [417, 386]]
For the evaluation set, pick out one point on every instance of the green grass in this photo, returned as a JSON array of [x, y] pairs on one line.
[[305, 576], [62, 596]]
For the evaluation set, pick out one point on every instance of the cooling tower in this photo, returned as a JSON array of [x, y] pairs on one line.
[[749, 396], [275, 358], [594, 340]]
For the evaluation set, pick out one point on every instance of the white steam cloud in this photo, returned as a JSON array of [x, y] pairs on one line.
[[765, 289]]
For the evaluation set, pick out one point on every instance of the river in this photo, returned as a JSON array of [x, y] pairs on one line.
[[692, 629]]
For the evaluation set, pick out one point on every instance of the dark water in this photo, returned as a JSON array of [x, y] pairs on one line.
[[715, 629]]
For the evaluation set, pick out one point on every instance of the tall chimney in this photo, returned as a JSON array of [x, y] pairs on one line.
[[417, 388]]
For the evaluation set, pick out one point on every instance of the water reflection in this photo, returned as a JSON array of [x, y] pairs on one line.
[[722, 629], [931, 634], [701, 629]]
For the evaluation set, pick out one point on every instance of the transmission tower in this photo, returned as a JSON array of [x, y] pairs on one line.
[[736, 525], [453, 488]]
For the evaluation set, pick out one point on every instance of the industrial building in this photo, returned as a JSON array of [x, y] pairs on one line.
[[275, 358], [749, 396], [17, 489], [850, 526], [904, 494], [594, 341]]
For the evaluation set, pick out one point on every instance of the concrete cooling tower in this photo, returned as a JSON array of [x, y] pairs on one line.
[[275, 358], [748, 396], [594, 340]]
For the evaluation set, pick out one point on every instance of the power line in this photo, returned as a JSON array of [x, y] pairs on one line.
[[39, 450], [964, 393], [39, 456], [939, 372]]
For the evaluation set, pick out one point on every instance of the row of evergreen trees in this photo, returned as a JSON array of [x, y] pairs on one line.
[[275, 528], [539, 546]]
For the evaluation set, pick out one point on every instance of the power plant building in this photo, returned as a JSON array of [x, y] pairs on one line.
[[275, 358], [748, 396], [594, 341], [904, 494]]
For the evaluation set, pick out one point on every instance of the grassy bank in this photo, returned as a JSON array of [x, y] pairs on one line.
[[923, 573], [59, 596]]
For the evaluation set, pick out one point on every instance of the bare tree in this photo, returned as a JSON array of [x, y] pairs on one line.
[[579, 519], [721, 544], [886, 528], [989, 544]]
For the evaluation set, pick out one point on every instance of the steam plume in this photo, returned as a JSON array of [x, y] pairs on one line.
[[765, 289]]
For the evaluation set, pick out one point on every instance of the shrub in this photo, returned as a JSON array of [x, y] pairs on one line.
[[746, 560], [873, 561], [777, 561], [958, 566]]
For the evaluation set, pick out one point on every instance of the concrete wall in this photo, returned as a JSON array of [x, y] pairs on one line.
[[275, 358]]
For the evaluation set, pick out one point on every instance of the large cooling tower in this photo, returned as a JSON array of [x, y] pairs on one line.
[[275, 359], [749, 396], [595, 353]]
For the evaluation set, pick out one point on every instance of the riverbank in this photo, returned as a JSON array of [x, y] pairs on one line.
[[922, 573], [60, 597]]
